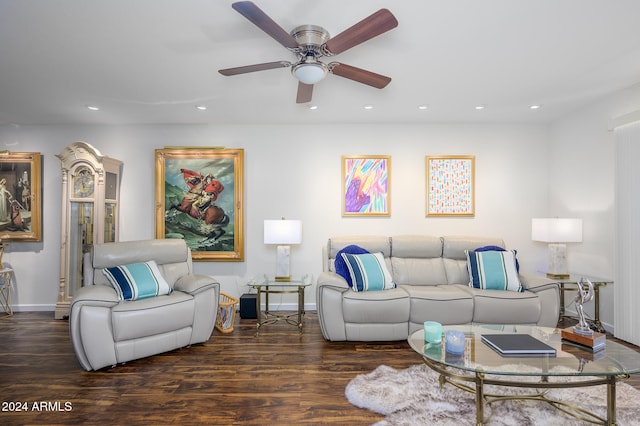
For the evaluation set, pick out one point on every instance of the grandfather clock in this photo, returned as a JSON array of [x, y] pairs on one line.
[[90, 198]]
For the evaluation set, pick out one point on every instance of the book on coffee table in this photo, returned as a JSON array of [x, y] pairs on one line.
[[518, 345]]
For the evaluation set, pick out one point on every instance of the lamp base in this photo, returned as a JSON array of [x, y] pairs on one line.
[[282, 279], [557, 276], [282, 263], [558, 261]]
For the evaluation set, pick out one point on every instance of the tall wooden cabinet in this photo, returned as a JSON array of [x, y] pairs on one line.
[[90, 206]]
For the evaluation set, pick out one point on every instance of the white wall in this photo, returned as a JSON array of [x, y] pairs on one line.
[[294, 171], [581, 184], [522, 171]]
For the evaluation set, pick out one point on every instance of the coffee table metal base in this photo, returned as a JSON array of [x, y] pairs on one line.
[[479, 380]]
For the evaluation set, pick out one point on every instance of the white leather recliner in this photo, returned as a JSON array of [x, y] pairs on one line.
[[106, 331]]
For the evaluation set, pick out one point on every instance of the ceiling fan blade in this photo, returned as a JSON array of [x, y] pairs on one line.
[[370, 27], [253, 68], [358, 74], [305, 91], [253, 13]]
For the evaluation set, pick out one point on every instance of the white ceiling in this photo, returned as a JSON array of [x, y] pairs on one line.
[[153, 61]]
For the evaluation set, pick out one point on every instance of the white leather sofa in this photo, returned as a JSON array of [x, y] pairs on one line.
[[432, 285], [106, 331]]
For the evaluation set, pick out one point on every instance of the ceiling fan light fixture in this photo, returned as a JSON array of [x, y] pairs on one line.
[[309, 71]]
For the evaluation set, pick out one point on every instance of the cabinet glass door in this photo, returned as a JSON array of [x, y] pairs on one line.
[[80, 240], [110, 211]]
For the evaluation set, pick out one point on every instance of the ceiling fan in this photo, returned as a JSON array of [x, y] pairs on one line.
[[311, 42]]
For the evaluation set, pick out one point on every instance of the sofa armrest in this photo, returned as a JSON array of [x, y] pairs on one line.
[[206, 294], [549, 293], [195, 283], [329, 292], [96, 295], [93, 347], [536, 283], [331, 279]]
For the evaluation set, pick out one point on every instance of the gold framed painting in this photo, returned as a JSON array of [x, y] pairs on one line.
[[450, 185], [20, 193], [365, 185], [199, 198]]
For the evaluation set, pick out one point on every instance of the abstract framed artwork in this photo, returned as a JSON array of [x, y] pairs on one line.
[[365, 185], [20, 192], [450, 185], [199, 198]]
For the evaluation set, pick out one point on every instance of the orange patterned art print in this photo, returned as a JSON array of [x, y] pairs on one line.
[[450, 185]]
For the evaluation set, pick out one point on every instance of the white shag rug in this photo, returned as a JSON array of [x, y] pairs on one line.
[[414, 397]]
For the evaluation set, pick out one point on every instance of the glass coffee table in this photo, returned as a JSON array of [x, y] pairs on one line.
[[469, 370]]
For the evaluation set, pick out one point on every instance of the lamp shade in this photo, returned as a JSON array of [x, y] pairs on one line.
[[282, 231], [556, 230]]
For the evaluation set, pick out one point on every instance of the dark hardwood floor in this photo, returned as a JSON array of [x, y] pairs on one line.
[[278, 378]]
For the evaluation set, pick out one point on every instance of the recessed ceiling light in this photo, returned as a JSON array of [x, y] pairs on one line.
[[313, 107], [479, 107], [201, 107], [93, 108], [422, 107], [368, 107], [534, 107]]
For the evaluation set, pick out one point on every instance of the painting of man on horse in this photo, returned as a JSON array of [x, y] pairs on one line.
[[198, 198], [199, 201]]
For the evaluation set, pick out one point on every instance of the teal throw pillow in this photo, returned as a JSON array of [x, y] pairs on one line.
[[368, 272], [493, 270], [137, 280]]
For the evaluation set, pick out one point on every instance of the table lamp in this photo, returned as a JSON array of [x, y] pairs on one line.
[[283, 233], [556, 232]]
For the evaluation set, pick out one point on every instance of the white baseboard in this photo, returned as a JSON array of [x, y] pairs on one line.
[[34, 308], [273, 307]]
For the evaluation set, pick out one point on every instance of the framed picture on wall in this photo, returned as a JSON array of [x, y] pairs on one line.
[[365, 185], [20, 192], [450, 185], [199, 198]]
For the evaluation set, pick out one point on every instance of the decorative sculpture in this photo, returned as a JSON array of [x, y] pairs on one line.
[[581, 298]]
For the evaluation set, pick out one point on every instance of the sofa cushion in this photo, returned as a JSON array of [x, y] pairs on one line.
[[152, 316], [447, 304], [372, 244], [416, 246], [453, 247], [340, 264], [493, 270], [417, 259], [418, 271], [499, 307], [376, 307], [137, 280], [368, 271]]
